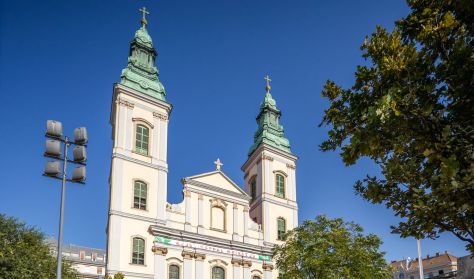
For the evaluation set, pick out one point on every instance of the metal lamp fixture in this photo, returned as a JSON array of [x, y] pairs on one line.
[[54, 135]]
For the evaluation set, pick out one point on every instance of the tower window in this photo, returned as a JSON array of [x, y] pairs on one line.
[[218, 273], [142, 139], [253, 188], [139, 195], [281, 228], [280, 185], [138, 251], [173, 272]]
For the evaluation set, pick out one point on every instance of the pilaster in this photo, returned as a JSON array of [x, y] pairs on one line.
[[160, 268], [188, 264], [267, 270], [199, 264]]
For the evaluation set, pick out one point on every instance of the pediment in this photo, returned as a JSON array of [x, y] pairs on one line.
[[219, 180]]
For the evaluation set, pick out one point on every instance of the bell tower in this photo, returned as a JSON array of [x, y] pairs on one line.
[[139, 168], [270, 174]]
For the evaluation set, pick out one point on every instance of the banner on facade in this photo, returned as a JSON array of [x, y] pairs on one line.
[[167, 241]]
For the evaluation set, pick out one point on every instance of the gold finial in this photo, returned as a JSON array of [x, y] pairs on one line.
[[144, 13], [267, 87]]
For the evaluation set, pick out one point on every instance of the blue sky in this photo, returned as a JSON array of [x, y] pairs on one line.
[[59, 60]]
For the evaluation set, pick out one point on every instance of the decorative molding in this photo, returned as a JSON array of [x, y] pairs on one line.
[[139, 119], [236, 262], [199, 256], [290, 166], [133, 216], [235, 206], [266, 157], [140, 162], [160, 115], [213, 188], [125, 103], [187, 255], [162, 251], [187, 193], [246, 264], [267, 266], [218, 262], [200, 197]]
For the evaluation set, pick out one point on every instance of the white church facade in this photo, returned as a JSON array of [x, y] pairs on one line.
[[220, 230]]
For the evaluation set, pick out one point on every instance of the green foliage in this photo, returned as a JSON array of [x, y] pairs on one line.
[[331, 249], [411, 110], [24, 255], [119, 276]]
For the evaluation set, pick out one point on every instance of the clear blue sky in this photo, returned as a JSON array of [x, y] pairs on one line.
[[59, 60]]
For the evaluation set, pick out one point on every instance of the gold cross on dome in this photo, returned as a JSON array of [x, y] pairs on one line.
[[144, 13], [267, 87], [218, 164]]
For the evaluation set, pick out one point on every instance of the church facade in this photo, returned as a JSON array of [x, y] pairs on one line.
[[220, 230]]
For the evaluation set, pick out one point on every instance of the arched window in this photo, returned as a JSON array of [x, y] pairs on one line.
[[253, 188], [280, 185], [138, 251], [256, 277], [218, 218], [139, 195], [142, 138], [173, 272], [281, 226], [218, 273]]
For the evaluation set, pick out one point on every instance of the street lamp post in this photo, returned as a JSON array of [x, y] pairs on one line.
[[55, 137]]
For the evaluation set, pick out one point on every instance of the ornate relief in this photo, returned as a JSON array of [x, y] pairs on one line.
[[187, 193], [187, 255], [267, 266], [246, 264], [160, 116], [236, 262], [199, 257], [125, 103], [159, 250], [266, 157], [290, 166]]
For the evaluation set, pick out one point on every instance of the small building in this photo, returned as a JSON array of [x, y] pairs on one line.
[[89, 262], [441, 265]]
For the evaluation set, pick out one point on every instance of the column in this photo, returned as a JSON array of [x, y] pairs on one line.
[[236, 263], [200, 211], [187, 264], [187, 201], [267, 270], [156, 140], [246, 220], [246, 268], [199, 265], [160, 269], [129, 131], [235, 219]]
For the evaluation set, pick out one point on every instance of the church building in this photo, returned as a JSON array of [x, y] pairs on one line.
[[220, 230]]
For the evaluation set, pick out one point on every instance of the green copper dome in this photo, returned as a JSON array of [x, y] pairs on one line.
[[141, 73], [269, 130]]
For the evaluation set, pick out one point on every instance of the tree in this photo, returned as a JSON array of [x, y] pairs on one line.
[[330, 249], [24, 254], [411, 110]]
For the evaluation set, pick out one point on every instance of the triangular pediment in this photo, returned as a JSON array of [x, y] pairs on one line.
[[218, 179]]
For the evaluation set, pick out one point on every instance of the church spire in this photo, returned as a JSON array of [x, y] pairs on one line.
[[269, 130], [141, 73]]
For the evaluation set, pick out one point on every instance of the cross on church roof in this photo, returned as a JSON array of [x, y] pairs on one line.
[[218, 164], [144, 13], [267, 87]]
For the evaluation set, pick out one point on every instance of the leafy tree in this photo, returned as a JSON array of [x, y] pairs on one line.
[[411, 110], [330, 249], [24, 254]]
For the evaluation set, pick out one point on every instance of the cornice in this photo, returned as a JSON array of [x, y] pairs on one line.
[[257, 155], [216, 189], [120, 88], [140, 162]]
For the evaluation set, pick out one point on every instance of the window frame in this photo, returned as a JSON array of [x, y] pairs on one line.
[[253, 188], [222, 205], [283, 176], [142, 122], [146, 194], [133, 250], [280, 237], [174, 265], [215, 267]]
